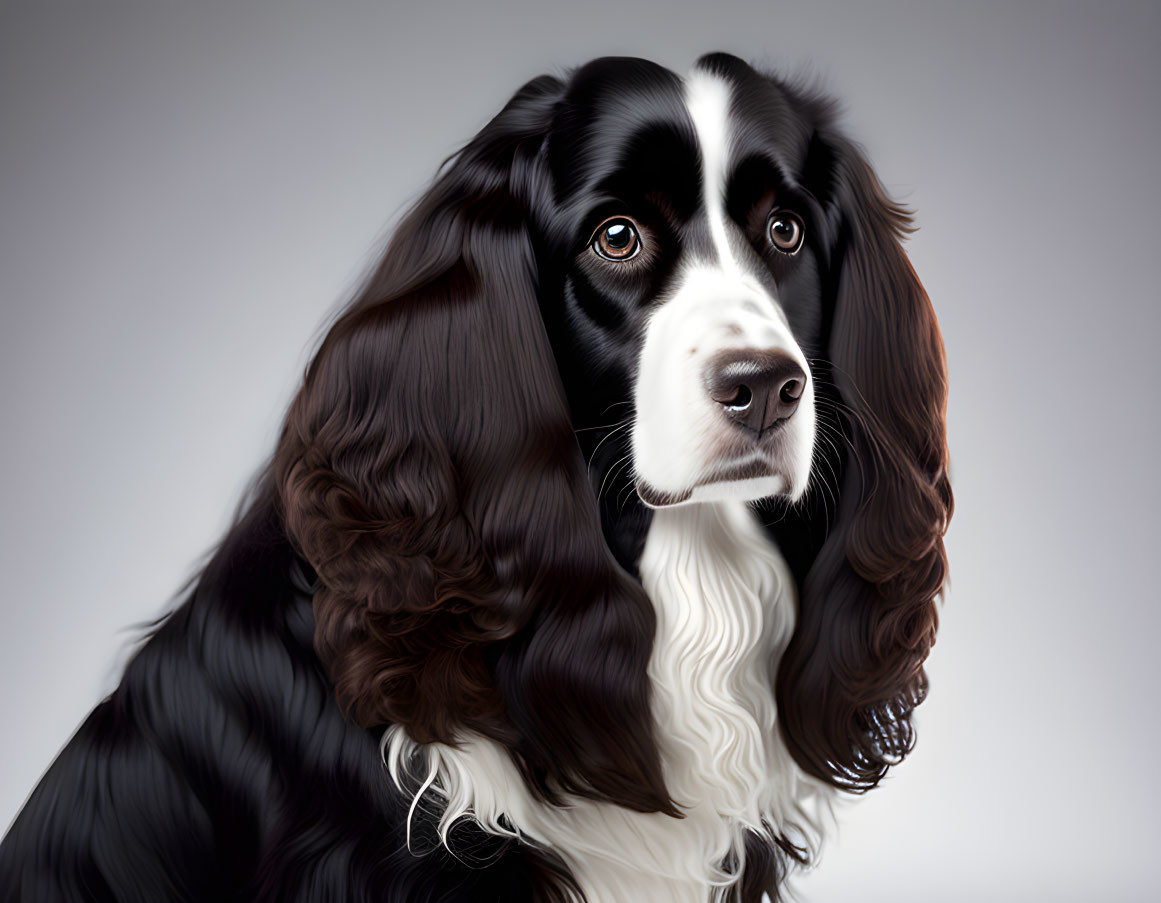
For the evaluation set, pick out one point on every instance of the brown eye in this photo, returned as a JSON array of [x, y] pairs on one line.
[[616, 239], [786, 231]]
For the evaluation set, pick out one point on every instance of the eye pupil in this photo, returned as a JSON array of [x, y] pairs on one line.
[[619, 237]]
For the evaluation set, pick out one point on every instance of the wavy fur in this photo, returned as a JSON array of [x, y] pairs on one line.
[[445, 652], [867, 609]]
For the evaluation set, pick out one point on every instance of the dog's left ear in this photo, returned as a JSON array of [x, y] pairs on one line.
[[430, 475], [854, 669]]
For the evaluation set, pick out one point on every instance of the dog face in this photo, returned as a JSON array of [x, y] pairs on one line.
[[689, 291], [630, 290]]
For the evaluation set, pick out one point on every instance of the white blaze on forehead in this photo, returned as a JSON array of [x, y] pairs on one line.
[[724, 301], [708, 99]]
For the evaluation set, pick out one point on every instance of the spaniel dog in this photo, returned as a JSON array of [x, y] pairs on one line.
[[599, 551]]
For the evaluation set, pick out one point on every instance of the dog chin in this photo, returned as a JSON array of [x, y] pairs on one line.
[[749, 489]]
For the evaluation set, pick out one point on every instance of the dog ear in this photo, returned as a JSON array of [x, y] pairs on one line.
[[430, 475], [853, 672]]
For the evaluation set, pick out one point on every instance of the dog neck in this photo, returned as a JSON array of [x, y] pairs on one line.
[[725, 608]]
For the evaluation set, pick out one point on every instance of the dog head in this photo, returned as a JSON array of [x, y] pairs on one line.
[[630, 290]]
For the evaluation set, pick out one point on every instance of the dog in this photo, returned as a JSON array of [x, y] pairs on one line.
[[599, 552]]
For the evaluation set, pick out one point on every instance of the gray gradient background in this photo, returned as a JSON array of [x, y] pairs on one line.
[[187, 191]]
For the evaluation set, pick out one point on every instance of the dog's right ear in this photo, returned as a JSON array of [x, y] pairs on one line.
[[430, 475], [853, 672]]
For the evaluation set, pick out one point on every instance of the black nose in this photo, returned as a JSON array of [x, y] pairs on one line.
[[755, 388]]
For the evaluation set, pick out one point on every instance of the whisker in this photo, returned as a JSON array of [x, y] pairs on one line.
[[618, 466], [615, 404], [606, 426], [629, 492], [604, 439]]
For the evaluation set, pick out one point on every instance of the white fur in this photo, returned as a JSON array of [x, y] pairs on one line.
[[725, 611], [717, 305]]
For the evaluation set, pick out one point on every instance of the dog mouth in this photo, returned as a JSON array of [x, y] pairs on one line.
[[656, 498], [762, 478]]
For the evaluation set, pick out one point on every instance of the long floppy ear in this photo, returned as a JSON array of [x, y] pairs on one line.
[[430, 475], [853, 672]]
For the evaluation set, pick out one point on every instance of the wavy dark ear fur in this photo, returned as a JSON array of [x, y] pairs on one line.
[[853, 672], [431, 477]]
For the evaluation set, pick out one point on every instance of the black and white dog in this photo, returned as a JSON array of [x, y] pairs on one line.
[[598, 551]]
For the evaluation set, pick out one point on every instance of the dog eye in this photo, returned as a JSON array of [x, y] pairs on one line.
[[785, 231], [616, 239]]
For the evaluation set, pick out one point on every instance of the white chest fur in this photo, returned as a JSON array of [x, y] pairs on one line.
[[725, 611]]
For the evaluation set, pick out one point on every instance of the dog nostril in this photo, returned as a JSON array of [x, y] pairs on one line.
[[735, 397], [791, 391]]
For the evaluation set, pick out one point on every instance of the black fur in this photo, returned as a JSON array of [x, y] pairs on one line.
[[222, 770], [381, 570]]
